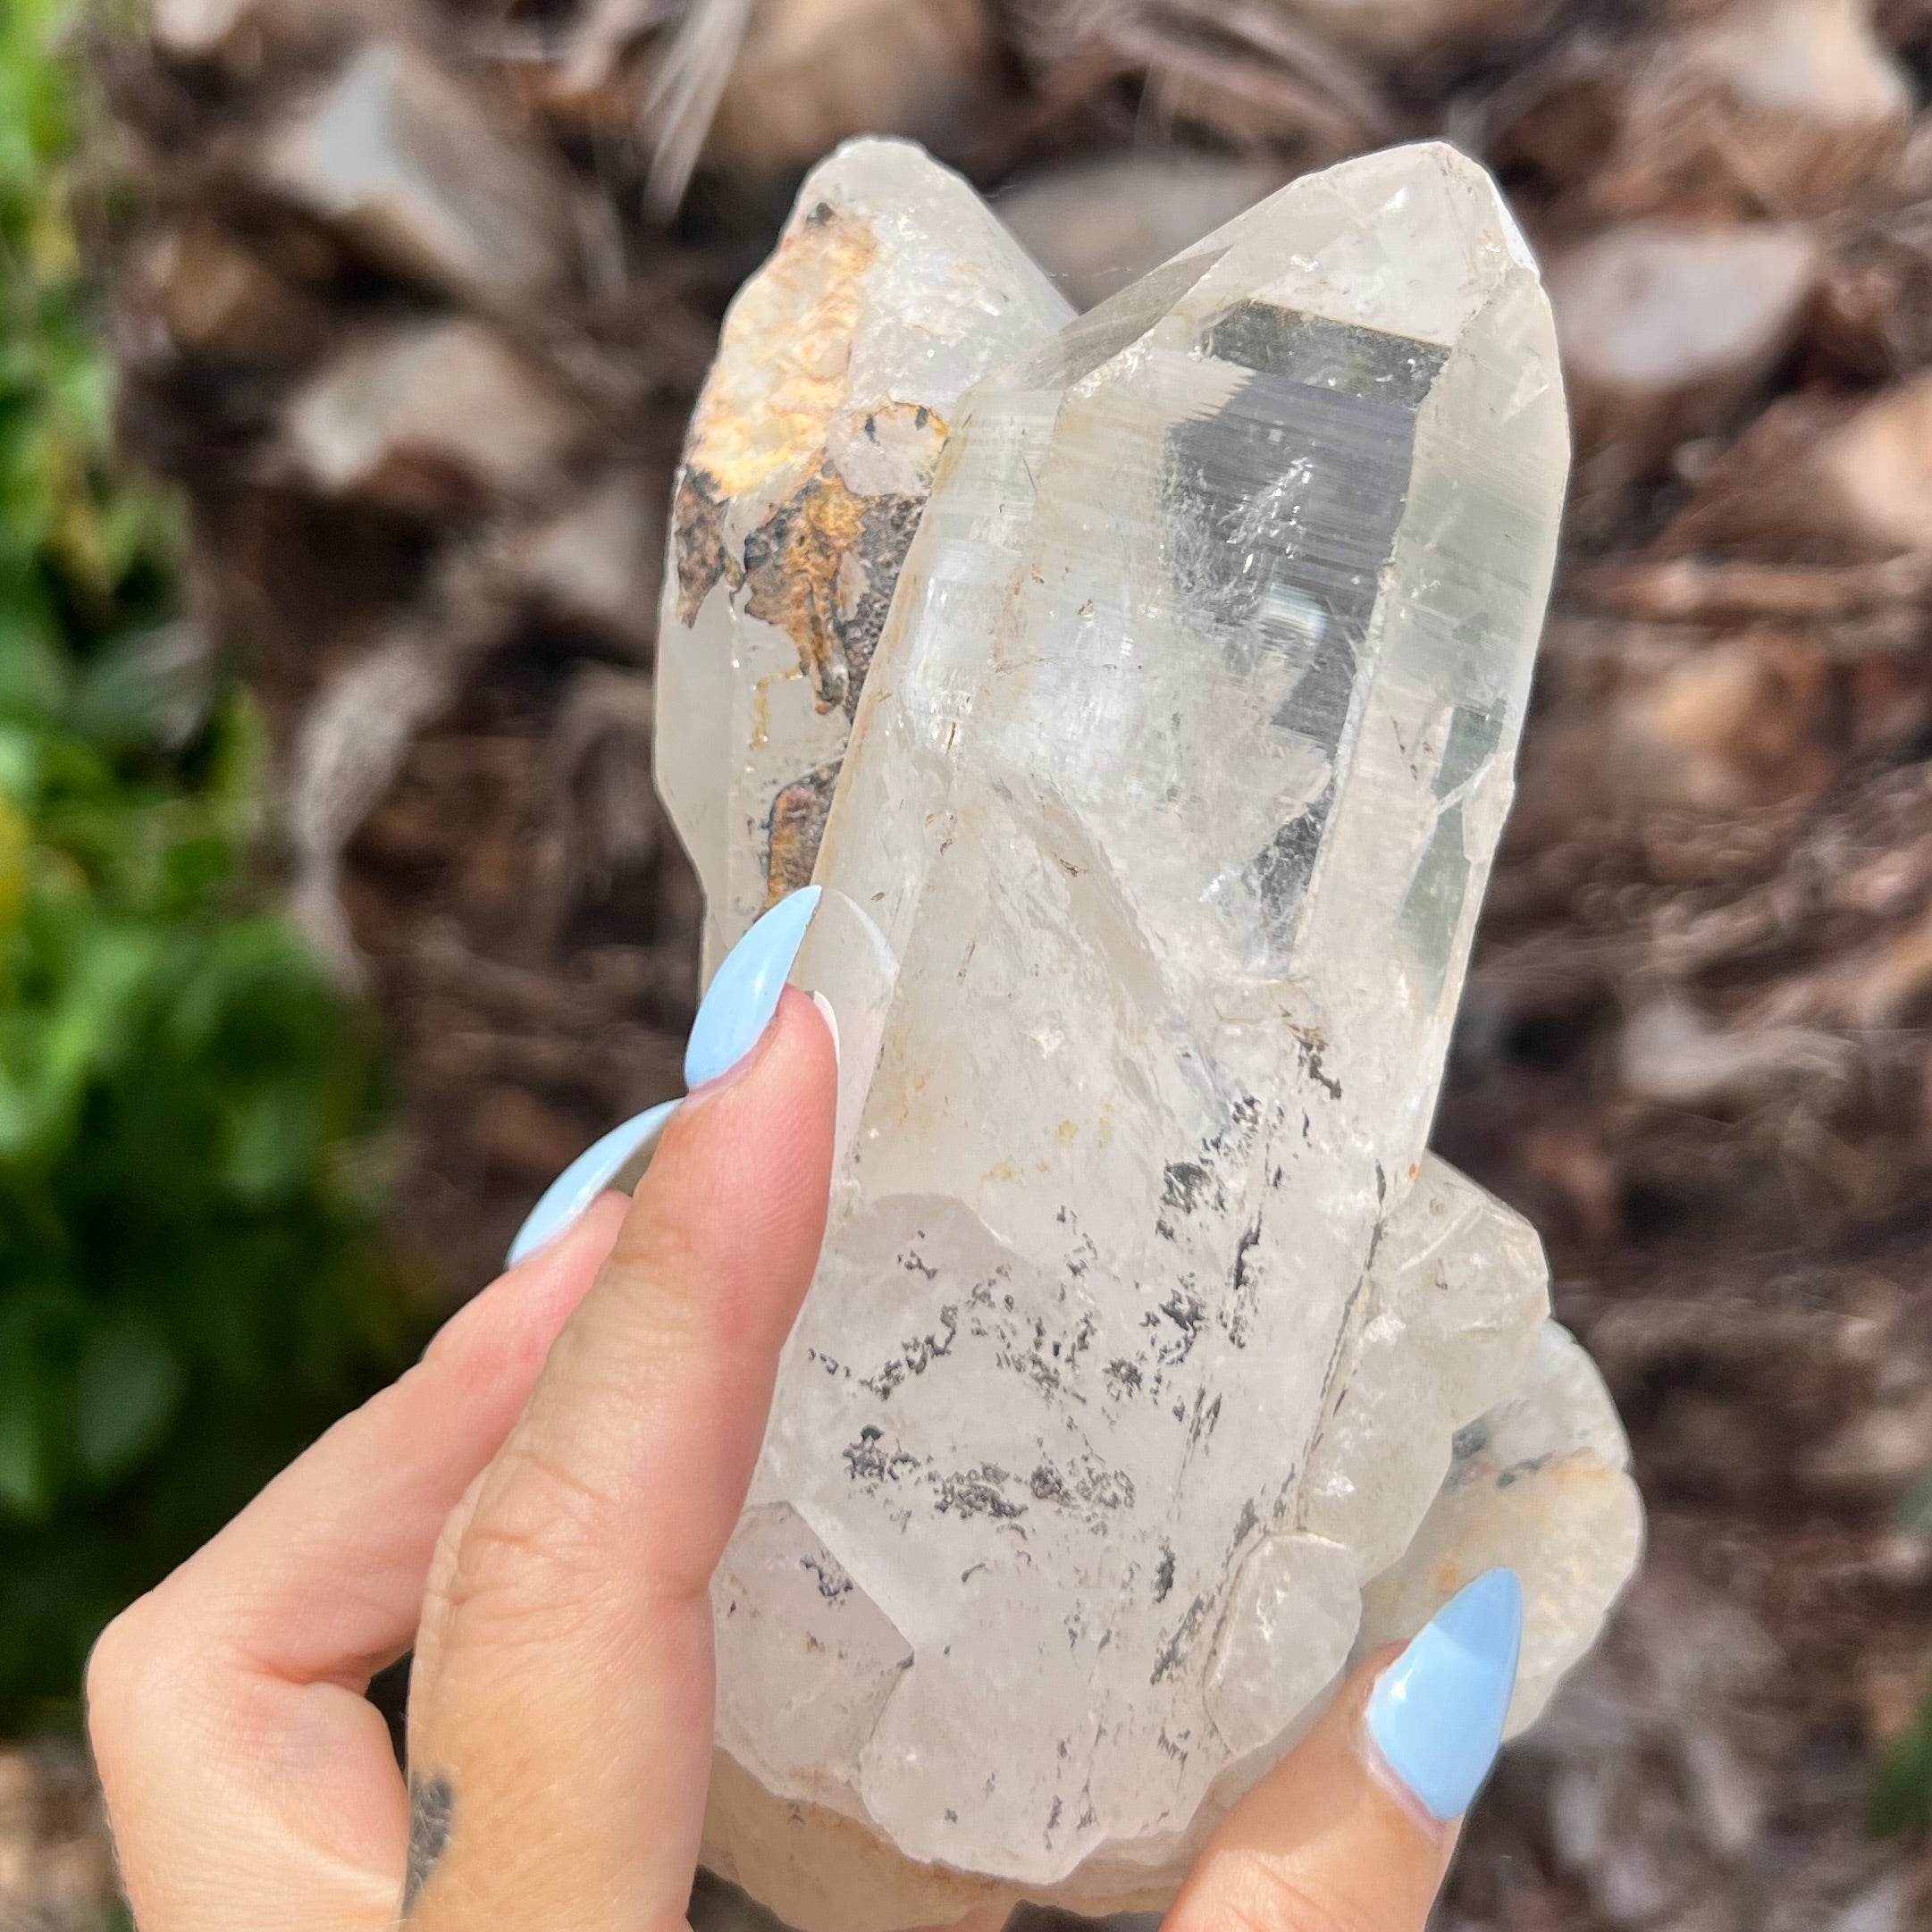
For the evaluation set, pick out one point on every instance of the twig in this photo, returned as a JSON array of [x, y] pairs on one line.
[[1694, 589]]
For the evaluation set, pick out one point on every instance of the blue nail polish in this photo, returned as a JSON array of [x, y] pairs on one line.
[[587, 1177], [744, 995], [1437, 1714]]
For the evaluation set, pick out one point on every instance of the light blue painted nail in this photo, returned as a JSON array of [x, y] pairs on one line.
[[587, 1177], [1437, 1714], [744, 994]]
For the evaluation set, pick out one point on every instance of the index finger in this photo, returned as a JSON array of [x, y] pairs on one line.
[[560, 1737]]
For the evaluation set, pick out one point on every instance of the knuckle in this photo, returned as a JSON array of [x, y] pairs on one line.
[[538, 1542], [654, 1305], [1257, 1894], [125, 1673], [448, 1549]]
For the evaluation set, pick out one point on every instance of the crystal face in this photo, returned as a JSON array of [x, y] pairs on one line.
[[1153, 1368]]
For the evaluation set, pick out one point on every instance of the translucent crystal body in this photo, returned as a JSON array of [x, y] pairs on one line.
[[1148, 1342], [893, 291], [1539, 1483]]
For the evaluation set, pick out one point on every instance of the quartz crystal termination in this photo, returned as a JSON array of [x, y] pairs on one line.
[[1540, 1483], [996, 1361], [809, 461]]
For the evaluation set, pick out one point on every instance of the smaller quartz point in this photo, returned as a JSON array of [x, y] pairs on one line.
[[776, 1572], [1153, 1368], [892, 289], [1447, 1326], [1539, 1484]]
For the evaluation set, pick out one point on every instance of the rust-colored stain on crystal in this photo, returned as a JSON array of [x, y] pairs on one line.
[[774, 423], [782, 373], [822, 567], [698, 522], [796, 828], [761, 413], [791, 577]]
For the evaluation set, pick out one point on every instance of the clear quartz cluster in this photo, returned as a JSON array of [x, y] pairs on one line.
[[1153, 1368]]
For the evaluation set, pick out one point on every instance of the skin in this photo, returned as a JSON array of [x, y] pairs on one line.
[[537, 1507]]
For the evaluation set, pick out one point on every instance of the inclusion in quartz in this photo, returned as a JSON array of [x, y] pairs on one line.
[[1153, 1368]]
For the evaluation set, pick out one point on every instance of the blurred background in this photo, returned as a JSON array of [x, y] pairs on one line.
[[345, 349]]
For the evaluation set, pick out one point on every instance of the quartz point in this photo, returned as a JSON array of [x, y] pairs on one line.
[[1541, 1483], [893, 291], [1153, 1368]]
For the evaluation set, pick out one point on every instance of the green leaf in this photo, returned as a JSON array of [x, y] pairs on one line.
[[16, 842], [32, 678], [130, 1389], [272, 1142], [25, 1484], [20, 765], [29, 1379]]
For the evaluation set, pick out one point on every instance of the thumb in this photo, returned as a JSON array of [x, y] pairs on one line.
[[1353, 1830]]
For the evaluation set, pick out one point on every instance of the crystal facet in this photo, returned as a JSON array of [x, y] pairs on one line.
[[1540, 1483], [1154, 1367]]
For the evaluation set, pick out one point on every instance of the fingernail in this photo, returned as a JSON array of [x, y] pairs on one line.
[[831, 1021], [587, 1177], [744, 994], [1437, 1714]]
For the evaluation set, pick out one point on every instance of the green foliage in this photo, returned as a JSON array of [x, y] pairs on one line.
[[189, 1280]]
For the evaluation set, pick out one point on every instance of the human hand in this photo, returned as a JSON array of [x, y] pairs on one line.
[[537, 1507]]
